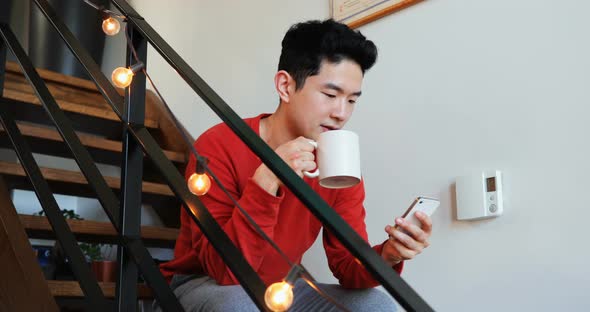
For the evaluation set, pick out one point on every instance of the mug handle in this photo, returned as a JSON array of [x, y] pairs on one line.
[[316, 173]]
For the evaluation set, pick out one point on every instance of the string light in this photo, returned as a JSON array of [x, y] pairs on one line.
[[279, 296], [122, 76], [111, 26], [199, 182]]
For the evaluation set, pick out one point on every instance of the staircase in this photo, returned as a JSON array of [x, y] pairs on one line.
[[100, 131]]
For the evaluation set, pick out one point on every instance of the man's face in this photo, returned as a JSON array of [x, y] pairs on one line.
[[326, 100]]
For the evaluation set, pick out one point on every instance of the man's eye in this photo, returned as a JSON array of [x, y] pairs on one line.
[[329, 95], [351, 101]]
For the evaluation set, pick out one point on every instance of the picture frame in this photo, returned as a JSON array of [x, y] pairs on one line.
[[356, 13]]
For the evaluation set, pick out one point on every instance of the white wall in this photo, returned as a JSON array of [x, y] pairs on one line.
[[459, 86]]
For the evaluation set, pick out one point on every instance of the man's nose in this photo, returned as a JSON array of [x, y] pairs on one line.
[[341, 110]]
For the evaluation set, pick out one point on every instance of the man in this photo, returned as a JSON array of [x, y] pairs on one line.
[[319, 79]]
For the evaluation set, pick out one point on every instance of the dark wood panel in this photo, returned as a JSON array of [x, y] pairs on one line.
[[22, 286], [72, 289]]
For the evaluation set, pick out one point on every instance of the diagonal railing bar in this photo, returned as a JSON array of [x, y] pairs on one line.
[[88, 283], [200, 215], [102, 83], [105, 195], [390, 280]]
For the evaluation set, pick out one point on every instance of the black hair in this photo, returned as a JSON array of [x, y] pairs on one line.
[[307, 44]]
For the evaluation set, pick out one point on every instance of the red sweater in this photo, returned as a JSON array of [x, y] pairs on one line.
[[284, 219]]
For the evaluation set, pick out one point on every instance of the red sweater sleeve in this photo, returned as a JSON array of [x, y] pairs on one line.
[[260, 205], [345, 267]]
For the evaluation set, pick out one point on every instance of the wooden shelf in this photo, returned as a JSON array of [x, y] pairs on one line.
[[71, 107], [74, 177], [43, 139], [48, 75], [99, 232], [71, 289]]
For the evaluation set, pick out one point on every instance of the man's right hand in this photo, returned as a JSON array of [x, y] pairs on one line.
[[298, 154]]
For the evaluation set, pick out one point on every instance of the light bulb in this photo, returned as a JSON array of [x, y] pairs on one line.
[[199, 184], [122, 77], [279, 296], [111, 26]]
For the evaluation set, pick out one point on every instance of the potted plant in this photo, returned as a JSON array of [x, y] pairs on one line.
[[104, 270]]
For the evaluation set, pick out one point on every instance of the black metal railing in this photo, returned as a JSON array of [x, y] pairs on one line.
[[251, 281], [136, 135]]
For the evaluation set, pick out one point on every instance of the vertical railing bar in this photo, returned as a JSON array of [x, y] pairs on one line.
[[131, 176]]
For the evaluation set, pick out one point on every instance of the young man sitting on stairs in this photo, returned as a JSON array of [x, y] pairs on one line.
[[318, 81]]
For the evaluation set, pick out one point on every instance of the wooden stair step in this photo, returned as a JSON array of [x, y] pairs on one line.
[[52, 76], [71, 107], [76, 177], [67, 88], [71, 289], [47, 140], [60, 90], [85, 107], [69, 182], [97, 232], [89, 119]]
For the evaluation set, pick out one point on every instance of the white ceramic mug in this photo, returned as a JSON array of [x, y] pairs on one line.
[[338, 159]]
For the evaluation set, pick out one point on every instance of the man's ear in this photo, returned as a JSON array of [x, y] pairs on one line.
[[285, 85]]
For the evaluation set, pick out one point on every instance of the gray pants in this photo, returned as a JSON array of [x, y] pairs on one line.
[[203, 294]]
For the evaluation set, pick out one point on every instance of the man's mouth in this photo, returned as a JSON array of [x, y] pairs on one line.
[[328, 128]]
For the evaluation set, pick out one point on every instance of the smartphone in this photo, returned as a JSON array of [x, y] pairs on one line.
[[424, 204]]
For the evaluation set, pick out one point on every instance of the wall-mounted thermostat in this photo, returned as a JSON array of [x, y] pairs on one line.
[[479, 195]]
